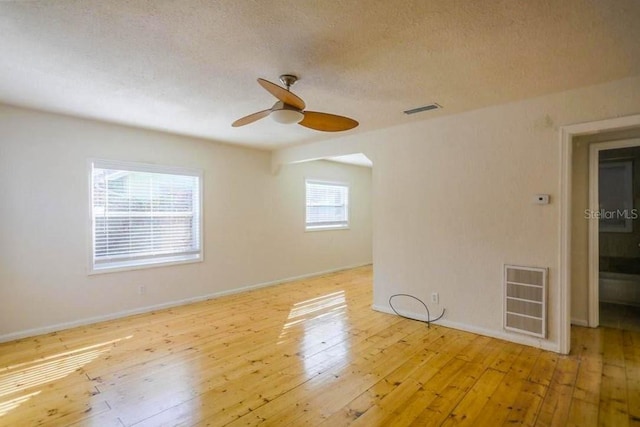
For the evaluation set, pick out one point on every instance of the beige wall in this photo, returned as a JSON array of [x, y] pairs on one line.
[[467, 183], [579, 232], [253, 221], [580, 225], [452, 201]]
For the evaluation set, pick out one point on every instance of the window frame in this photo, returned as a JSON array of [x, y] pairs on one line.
[[128, 265], [347, 226]]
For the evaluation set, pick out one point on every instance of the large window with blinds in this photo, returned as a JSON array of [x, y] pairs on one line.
[[327, 205], [144, 215]]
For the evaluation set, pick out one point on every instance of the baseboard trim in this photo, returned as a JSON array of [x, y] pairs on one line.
[[503, 335], [146, 309], [579, 322]]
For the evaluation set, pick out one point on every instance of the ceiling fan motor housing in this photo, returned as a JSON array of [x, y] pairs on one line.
[[288, 80]]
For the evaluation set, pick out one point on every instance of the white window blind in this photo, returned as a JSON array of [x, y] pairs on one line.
[[327, 205], [144, 215]]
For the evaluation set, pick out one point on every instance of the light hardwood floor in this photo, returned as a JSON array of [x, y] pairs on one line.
[[311, 352]]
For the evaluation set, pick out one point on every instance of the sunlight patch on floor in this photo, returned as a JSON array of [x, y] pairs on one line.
[[10, 404], [330, 301], [23, 376], [314, 308], [321, 321]]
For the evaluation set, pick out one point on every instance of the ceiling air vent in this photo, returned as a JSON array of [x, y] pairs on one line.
[[423, 108]]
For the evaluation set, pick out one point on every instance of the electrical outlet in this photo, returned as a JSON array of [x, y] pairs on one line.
[[435, 298], [142, 289]]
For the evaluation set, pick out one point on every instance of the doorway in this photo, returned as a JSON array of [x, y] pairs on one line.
[[574, 254], [614, 255]]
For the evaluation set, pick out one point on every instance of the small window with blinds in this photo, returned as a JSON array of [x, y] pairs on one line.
[[144, 215], [327, 205]]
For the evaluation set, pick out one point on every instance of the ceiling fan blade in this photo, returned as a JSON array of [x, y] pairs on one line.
[[283, 94], [327, 122], [251, 118]]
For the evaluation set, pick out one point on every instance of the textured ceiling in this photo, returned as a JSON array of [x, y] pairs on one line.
[[190, 67]]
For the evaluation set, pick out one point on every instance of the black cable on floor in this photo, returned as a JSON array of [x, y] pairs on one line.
[[428, 321]]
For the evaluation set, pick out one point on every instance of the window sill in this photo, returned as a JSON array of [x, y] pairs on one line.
[[329, 228], [137, 265]]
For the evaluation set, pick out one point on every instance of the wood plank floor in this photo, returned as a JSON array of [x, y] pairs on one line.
[[313, 353]]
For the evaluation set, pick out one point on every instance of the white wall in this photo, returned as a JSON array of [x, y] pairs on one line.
[[452, 201], [253, 221]]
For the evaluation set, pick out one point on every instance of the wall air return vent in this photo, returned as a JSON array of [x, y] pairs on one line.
[[423, 108], [525, 296]]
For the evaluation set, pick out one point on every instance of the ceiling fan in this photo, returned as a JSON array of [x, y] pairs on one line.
[[289, 109]]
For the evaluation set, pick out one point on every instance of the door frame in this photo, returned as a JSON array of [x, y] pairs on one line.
[[594, 228], [567, 133]]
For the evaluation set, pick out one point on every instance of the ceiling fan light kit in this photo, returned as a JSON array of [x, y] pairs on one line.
[[283, 113], [290, 109]]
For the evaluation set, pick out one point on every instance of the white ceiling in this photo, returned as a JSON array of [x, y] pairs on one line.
[[190, 66]]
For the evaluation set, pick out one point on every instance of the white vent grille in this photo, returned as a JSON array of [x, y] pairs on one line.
[[525, 296]]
